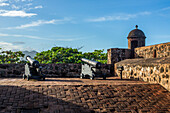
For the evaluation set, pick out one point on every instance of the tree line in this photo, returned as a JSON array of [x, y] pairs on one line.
[[55, 55]]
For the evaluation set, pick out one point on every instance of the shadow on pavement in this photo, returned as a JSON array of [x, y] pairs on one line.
[[84, 98], [29, 99]]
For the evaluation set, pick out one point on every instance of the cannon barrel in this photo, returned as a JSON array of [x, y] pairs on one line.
[[33, 62], [91, 62]]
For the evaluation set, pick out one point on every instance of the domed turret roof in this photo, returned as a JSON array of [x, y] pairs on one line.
[[136, 33]]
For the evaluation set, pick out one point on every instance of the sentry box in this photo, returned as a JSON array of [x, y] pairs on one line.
[[33, 70], [91, 69]]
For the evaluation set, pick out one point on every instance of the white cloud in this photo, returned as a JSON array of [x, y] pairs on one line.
[[25, 36], [23, 0], [3, 35], [9, 46], [112, 18], [14, 46], [39, 38], [14, 6], [41, 22], [3, 0], [14, 13], [18, 8], [30, 4], [166, 8], [4, 4], [118, 17], [38, 7]]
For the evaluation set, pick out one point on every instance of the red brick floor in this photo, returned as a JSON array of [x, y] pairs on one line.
[[69, 81], [74, 95]]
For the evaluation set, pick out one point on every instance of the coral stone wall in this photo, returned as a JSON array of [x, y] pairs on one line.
[[115, 55], [50, 70], [153, 70], [153, 51]]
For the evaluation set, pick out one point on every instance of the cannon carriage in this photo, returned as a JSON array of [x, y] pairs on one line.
[[91, 69], [33, 70]]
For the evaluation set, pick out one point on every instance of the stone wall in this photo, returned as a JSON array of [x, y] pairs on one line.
[[153, 70], [116, 54], [50, 70], [153, 51]]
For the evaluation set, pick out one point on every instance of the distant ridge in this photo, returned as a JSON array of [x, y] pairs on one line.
[[30, 53]]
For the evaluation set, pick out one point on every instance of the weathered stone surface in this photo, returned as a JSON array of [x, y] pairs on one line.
[[153, 70], [153, 51], [116, 54]]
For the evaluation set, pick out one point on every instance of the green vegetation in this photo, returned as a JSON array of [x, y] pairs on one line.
[[69, 55], [7, 57], [55, 55]]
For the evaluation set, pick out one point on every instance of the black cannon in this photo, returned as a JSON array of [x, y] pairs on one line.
[[91, 68], [33, 69]]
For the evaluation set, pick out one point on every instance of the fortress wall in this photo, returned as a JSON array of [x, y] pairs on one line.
[[50, 70], [152, 70], [116, 54], [153, 51]]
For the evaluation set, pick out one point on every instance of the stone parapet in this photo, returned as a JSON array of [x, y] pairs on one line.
[[50, 70], [153, 70], [153, 51]]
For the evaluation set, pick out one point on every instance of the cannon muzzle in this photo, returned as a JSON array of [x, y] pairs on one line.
[[34, 63], [92, 63]]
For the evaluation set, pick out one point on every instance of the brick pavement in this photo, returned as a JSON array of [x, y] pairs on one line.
[[68, 81], [57, 96]]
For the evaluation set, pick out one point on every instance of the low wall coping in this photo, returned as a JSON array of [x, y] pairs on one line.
[[146, 61]]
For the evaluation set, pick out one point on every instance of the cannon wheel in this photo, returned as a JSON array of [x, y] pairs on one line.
[[81, 76], [24, 76], [92, 77]]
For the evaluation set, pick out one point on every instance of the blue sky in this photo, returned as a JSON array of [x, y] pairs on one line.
[[94, 24]]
